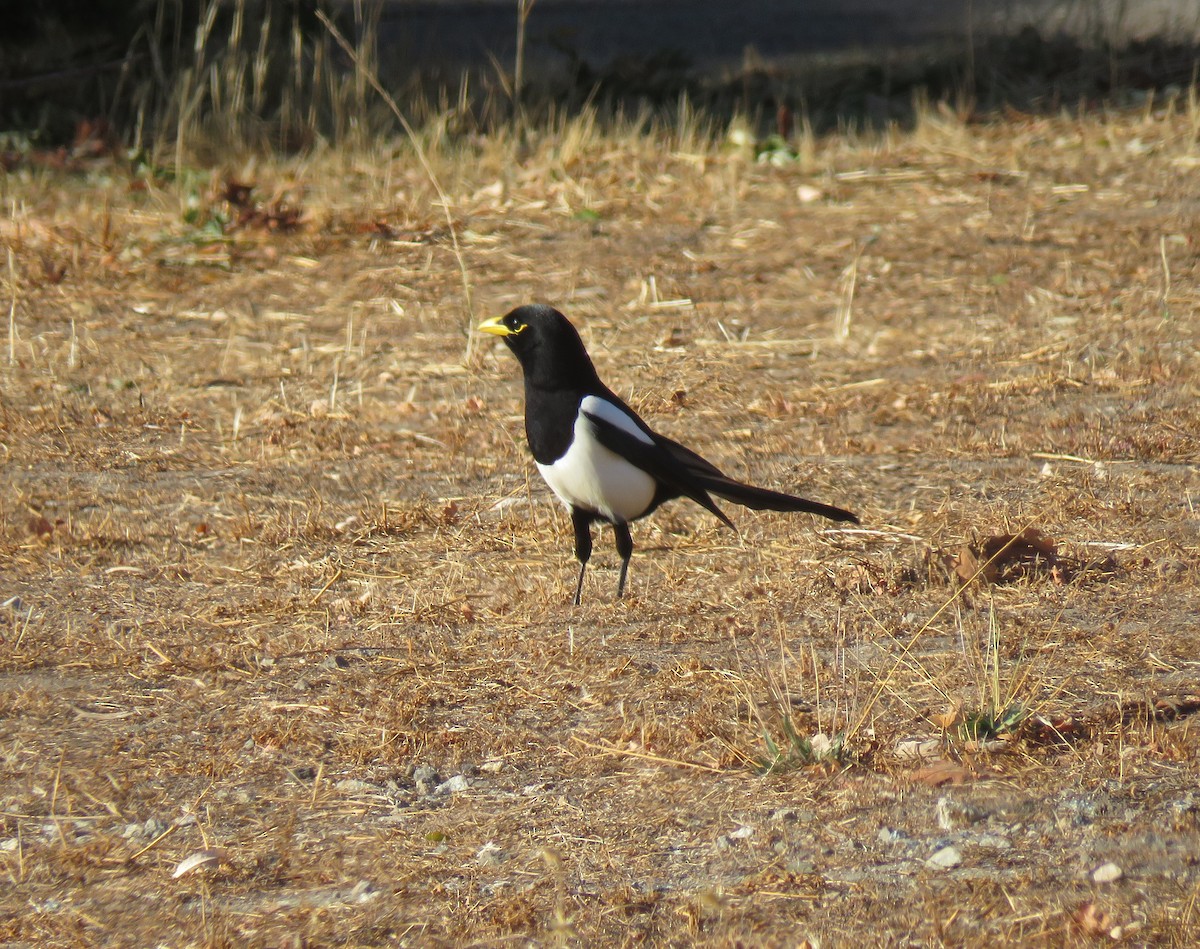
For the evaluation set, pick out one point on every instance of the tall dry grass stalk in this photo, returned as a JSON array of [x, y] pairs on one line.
[[259, 83], [524, 8], [12, 309]]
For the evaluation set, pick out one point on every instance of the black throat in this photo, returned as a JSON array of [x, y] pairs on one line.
[[550, 416]]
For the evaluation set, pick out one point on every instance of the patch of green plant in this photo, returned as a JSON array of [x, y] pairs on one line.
[[774, 150], [209, 226], [142, 165], [16, 141], [989, 723], [794, 751]]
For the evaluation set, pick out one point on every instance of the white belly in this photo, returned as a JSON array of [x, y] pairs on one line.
[[591, 477]]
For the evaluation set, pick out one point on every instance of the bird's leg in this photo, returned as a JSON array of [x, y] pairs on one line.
[[582, 522], [625, 549]]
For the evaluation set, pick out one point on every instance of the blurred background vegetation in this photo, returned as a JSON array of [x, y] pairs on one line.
[[211, 77]]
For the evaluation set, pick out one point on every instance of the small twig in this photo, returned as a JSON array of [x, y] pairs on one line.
[[845, 310], [1054, 456], [1166, 266], [154, 843], [321, 592], [867, 532], [645, 756], [317, 783], [54, 798]]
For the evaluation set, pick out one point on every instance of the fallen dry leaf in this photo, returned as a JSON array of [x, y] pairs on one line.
[[1055, 731], [948, 719], [1176, 706], [1007, 558], [944, 771]]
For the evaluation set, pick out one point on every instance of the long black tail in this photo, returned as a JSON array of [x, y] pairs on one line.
[[715, 481], [764, 499]]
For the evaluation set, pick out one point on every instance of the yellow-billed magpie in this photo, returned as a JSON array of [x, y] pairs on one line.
[[597, 455]]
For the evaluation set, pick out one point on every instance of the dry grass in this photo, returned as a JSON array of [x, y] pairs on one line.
[[280, 556]]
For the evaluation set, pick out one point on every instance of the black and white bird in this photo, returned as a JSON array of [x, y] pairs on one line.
[[597, 455]]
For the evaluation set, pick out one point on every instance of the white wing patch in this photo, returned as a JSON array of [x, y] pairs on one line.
[[591, 477], [602, 408]]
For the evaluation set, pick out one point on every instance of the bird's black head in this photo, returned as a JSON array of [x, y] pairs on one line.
[[546, 344]]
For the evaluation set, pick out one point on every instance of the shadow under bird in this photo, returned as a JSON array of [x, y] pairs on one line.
[[596, 453]]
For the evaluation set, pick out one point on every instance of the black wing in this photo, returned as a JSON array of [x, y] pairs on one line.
[[657, 461]]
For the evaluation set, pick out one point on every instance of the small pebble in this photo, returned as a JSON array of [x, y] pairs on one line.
[[789, 814], [490, 855], [354, 786], [364, 891], [426, 773], [154, 827]]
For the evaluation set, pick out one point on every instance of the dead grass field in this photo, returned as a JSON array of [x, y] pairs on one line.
[[281, 583]]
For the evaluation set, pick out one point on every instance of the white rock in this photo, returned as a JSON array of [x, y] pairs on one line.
[[455, 784], [918, 748], [1107, 873], [945, 858], [942, 813]]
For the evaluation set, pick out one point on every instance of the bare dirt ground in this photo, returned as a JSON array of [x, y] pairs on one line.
[[282, 588]]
